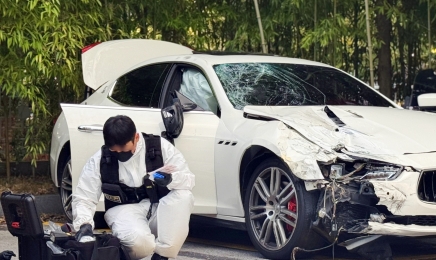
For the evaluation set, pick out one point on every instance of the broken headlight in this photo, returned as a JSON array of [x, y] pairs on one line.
[[336, 171], [380, 171], [361, 170]]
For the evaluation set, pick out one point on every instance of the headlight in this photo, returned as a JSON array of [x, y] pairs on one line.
[[378, 171], [361, 170]]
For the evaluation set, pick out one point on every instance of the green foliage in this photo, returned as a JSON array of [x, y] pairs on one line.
[[40, 43], [40, 40]]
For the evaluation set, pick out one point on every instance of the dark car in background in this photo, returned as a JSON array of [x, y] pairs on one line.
[[424, 92]]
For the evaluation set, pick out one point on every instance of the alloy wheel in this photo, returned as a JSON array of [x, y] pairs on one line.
[[273, 208], [67, 191]]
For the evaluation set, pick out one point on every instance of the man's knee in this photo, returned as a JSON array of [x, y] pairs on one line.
[[139, 245], [179, 198]]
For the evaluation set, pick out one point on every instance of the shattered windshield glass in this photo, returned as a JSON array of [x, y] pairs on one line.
[[277, 84]]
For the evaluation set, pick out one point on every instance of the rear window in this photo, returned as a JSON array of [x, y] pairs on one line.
[[141, 87], [274, 84]]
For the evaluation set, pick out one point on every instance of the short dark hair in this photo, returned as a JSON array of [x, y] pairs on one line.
[[118, 130]]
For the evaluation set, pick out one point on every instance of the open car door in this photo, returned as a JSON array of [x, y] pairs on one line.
[[85, 127], [197, 139]]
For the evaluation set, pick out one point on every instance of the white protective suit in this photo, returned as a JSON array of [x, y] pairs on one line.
[[168, 227]]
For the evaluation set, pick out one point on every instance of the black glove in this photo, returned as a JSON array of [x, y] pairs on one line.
[[85, 230], [6, 255], [162, 178], [66, 228]]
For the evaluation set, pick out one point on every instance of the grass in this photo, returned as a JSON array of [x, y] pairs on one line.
[[38, 185]]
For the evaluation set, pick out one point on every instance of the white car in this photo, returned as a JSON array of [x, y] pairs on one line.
[[292, 150]]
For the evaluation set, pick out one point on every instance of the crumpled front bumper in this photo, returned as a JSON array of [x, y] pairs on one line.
[[400, 196], [392, 229], [375, 206]]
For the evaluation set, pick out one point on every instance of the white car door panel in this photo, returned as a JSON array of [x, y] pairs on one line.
[[85, 127], [197, 140], [196, 143], [85, 124]]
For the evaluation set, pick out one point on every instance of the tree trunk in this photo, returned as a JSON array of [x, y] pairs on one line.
[[315, 17], [299, 52], [334, 41], [401, 58], [384, 71], [356, 40], [7, 141], [409, 40]]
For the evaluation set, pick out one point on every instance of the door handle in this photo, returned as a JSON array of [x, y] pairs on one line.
[[90, 128]]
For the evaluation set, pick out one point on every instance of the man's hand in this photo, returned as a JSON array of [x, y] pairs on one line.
[[162, 178], [6, 255], [85, 231]]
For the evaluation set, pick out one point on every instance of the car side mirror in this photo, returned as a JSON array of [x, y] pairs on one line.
[[189, 107], [172, 117], [427, 101]]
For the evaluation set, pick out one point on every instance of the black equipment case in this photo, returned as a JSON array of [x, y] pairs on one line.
[[23, 222]]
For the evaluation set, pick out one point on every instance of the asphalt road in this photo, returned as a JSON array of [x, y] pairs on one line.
[[216, 243]]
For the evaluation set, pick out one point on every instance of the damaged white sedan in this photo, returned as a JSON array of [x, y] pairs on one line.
[[294, 151]]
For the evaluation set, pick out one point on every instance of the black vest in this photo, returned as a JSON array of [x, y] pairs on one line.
[[117, 193]]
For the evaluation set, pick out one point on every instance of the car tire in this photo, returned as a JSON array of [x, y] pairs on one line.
[[280, 220], [66, 189]]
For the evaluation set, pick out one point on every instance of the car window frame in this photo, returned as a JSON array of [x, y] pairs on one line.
[[166, 88], [110, 92]]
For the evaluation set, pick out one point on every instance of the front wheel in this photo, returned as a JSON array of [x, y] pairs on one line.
[[66, 190], [278, 211]]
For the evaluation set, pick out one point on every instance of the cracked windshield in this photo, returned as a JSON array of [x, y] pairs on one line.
[[275, 84]]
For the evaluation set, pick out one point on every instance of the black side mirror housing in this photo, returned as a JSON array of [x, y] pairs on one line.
[[172, 117], [189, 107]]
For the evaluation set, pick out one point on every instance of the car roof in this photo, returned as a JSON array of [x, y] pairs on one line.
[[253, 58]]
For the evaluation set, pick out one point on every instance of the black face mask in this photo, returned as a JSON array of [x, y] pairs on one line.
[[124, 156]]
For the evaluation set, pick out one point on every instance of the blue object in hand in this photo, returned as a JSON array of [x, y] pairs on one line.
[[157, 175], [162, 178]]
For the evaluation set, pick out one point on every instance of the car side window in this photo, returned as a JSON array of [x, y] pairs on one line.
[[141, 87], [195, 87]]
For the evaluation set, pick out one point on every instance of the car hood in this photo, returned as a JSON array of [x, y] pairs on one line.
[[388, 134]]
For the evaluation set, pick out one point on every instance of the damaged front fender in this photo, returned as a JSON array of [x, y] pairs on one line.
[[301, 155]]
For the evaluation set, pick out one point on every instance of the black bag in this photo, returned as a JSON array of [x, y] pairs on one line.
[[107, 247], [68, 254], [85, 249]]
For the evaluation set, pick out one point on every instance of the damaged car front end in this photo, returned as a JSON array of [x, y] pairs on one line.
[[371, 180], [353, 165]]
